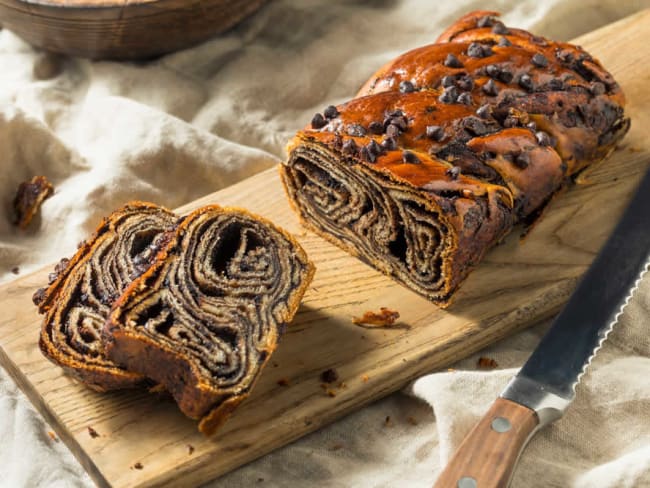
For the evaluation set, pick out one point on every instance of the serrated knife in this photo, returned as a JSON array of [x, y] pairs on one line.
[[545, 385]]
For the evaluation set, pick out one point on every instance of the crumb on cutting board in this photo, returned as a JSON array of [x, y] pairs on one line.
[[384, 318], [329, 376], [486, 363], [190, 449], [29, 198], [93, 433], [283, 382], [138, 465]]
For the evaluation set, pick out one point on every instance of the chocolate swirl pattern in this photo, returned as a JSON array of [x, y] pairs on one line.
[[449, 146], [82, 290], [205, 318]]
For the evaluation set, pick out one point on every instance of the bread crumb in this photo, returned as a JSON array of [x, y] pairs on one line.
[[335, 447], [365, 378], [450, 370], [329, 376], [93, 433], [283, 382], [138, 465], [385, 318], [190, 449], [29, 197], [486, 363], [15, 270], [260, 480], [387, 421], [52, 436], [331, 393], [411, 420]]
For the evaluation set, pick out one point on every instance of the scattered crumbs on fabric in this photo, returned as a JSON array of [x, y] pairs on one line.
[[52, 436]]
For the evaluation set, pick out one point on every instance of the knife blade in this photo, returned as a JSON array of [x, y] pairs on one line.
[[545, 385]]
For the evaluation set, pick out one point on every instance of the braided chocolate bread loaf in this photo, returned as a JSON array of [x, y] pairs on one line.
[[205, 318], [82, 290], [449, 146]]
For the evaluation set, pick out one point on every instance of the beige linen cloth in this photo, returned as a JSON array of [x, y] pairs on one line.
[[196, 121]]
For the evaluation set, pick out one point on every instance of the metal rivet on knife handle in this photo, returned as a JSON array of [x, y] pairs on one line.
[[466, 482], [501, 424]]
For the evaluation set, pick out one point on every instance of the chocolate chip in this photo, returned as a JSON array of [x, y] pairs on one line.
[[506, 76], [389, 143], [539, 60], [485, 21], [435, 132], [474, 126], [410, 158], [522, 160], [51, 278], [393, 131], [39, 296], [356, 130], [366, 155], [465, 82], [406, 87], [61, 265], [329, 376], [532, 126], [565, 55], [504, 42], [510, 122], [500, 29], [400, 122], [464, 98], [318, 121], [525, 81], [493, 71], [374, 148], [476, 50], [376, 127], [597, 88], [448, 81], [395, 113], [542, 138], [449, 95], [451, 61], [484, 111], [453, 172], [539, 40], [349, 147], [331, 112], [555, 84], [491, 88]]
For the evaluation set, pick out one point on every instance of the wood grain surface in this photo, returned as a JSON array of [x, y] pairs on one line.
[[517, 284], [121, 29]]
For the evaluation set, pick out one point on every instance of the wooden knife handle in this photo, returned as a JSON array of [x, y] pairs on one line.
[[487, 456]]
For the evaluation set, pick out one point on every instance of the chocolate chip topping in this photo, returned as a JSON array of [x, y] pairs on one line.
[[474, 126], [435, 132], [464, 98], [453, 172], [540, 60], [522, 160], [532, 126], [331, 112], [452, 61], [484, 111], [393, 131], [465, 83], [367, 155], [485, 21], [500, 29], [493, 71], [376, 127], [526, 82], [349, 147], [506, 75], [38, 296], [504, 42], [448, 81], [542, 138], [477, 50], [374, 148], [389, 143], [356, 130], [491, 88], [449, 95], [406, 87], [556, 84], [318, 121], [410, 158]]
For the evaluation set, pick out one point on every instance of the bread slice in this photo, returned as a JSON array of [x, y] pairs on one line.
[[206, 316], [83, 288]]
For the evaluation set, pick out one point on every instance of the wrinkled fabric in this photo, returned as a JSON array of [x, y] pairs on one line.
[[177, 128]]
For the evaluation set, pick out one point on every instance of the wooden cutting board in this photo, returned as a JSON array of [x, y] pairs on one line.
[[515, 286]]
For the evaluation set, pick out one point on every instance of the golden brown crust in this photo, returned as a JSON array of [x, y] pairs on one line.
[[78, 299], [465, 137], [156, 350]]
